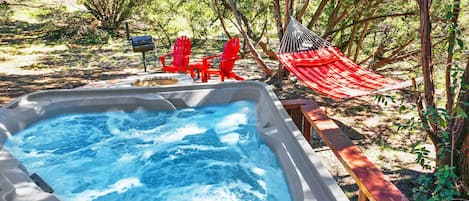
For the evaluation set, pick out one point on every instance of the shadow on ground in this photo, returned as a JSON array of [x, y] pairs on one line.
[[12, 86]]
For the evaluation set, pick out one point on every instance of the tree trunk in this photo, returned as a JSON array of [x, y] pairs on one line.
[[462, 130], [111, 13], [374, 8], [280, 32], [352, 38], [288, 13], [260, 62], [427, 70], [278, 19], [449, 82], [360, 42]]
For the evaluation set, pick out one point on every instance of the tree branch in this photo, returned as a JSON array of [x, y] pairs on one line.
[[253, 51], [317, 13], [449, 60], [301, 13], [390, 58], [220, 17], [369, 19]]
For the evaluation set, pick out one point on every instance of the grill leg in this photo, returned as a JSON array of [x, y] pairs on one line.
[[144, 61], [127, 33]]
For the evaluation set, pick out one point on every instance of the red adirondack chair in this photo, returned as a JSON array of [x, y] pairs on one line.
[[181, 53], [227, 61]]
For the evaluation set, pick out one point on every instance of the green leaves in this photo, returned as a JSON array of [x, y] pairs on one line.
[[449, 12], [444, 189], [441, 183], [409, 124], [422, 157], [384, 99], [460, 43]]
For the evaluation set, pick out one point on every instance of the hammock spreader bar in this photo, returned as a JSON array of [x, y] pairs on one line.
[[323, 68]]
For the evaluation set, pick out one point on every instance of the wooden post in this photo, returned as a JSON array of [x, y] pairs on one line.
[[297, 118], [307, 130]]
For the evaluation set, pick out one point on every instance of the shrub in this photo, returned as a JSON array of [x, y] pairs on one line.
[[112, 13]]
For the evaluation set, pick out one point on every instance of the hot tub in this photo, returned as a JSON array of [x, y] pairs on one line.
[[306, 177]]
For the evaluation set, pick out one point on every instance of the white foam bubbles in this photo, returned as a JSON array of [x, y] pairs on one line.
[[198, 147], [231, 122], [119, 187], [147, 154], [262, 184], [258, 171], [211, 163], [114, 130], [231, 138], [181, 133], [205, 193], [198, 192], [126, 158]]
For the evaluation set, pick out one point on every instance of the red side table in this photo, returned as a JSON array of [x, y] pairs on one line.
[[200, 68]]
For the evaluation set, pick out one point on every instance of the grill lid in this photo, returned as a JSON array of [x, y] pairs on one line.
[[142, 43]]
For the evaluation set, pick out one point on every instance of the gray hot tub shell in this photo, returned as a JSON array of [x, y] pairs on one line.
[[306, 176]]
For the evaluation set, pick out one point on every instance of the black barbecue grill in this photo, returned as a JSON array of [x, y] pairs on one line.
[[142, 43]]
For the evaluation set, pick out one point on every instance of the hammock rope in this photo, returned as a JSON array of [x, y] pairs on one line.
[[323, 68], [299, 38]]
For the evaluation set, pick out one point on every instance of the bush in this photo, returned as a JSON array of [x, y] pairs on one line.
[[77, 28], [5, 12], [112, 13]]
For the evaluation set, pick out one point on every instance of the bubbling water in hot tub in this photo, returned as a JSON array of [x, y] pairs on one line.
[[206, 153]]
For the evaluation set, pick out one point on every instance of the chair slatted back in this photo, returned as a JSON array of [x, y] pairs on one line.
[[229, 56], [182, 48]]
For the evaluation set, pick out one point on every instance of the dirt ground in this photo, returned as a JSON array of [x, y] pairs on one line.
[[29, 63]]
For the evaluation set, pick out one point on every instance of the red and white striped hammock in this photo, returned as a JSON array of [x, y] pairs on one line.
[[323, 68]]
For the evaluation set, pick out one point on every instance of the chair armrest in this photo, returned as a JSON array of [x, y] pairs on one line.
[[231, 58], [162, 58], [166, 55], [186, 59], [212, 56], [207, 61]]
